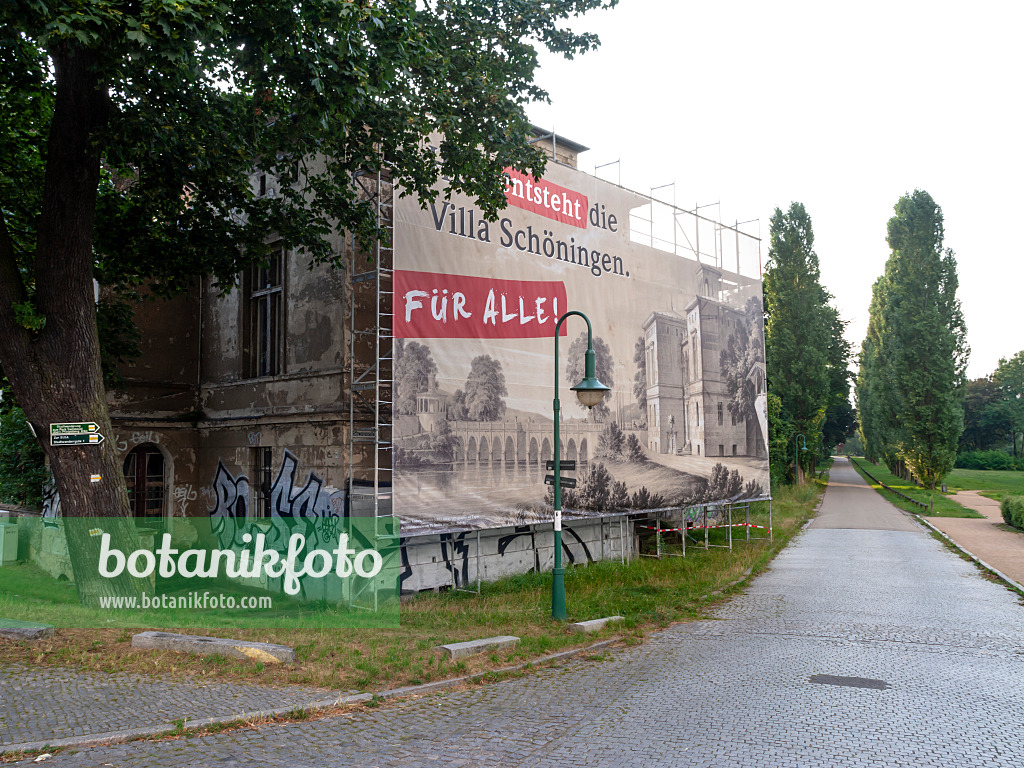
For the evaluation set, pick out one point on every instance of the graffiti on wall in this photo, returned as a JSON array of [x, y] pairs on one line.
[[184, 495], [288, 507], [51, 499], [456, 552]]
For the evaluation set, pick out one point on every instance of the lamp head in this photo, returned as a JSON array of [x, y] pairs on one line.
[[590, 391]]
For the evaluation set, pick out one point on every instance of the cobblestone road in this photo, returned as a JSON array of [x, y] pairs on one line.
[[46, 703], [859, 604]]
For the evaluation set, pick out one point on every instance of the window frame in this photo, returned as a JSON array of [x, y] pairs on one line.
[[263, 317], [261, 469]]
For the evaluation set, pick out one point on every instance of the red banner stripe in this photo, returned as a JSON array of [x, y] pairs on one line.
[[431, 305], [548, 199]]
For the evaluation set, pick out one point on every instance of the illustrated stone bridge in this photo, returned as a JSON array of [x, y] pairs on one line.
[[522, 442]]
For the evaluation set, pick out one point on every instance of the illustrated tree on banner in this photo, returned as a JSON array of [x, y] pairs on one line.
[[485, 392]]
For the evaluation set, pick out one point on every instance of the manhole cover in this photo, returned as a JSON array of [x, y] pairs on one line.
[[850, 682]]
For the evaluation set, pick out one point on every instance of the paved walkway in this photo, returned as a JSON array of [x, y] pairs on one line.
[[866, 644], [1001, 548], [47, 703]]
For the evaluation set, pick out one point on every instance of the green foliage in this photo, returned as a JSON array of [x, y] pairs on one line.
[[911, 382], [853, 445], [806, 356], [604, 366], [119, 338], [485, 392], [988, 417], [781, 434], [1009, 378], [998, 460], [22, 469], [180, 73], [840, 416], [28, 317], [935, 503], [1013, 511]]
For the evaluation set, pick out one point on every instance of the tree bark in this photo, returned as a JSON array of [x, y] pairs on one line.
[[55, 371]]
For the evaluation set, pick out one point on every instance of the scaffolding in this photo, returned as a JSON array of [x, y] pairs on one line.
[[370, 361]]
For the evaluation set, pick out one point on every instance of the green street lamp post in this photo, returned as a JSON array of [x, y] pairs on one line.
[[796, 456], [589, 392]]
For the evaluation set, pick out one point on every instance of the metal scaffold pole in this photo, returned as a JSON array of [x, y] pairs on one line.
[[371, 359]]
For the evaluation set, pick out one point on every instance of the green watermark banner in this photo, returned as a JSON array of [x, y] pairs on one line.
[[214, 572]]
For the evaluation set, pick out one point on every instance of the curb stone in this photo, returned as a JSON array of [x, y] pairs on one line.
[[1010, 582], [166, 729]]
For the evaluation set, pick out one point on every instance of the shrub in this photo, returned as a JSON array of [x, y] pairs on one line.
[[1013, 511], [22, 468], [985, 460]]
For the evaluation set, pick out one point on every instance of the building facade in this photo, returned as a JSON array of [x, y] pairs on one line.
[[687, 395]]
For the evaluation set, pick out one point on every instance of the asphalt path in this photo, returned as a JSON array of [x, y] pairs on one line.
[[852, 504]]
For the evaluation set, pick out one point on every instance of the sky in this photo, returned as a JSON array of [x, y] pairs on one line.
[[842, 107]]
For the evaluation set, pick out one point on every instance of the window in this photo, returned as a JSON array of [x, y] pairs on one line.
[[733, 415], [262, 467], [144, 476], [721, 450], [734, 449], [262, 320], [719, 414]]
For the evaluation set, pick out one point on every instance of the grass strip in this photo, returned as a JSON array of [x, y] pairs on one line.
[[993, 483]]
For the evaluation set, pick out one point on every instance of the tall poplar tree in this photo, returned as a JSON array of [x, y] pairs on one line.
[[840, 416], [876, 406], [798, 330], [915, 356]]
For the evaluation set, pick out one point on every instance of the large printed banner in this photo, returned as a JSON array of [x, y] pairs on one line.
[[678, 332]]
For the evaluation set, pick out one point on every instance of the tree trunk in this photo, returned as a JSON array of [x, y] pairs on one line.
[[55, 370]]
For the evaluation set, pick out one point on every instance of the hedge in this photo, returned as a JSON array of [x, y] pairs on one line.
[[1013, 511], [986, 460]]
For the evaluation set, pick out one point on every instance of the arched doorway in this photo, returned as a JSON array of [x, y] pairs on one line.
[[144, 474]]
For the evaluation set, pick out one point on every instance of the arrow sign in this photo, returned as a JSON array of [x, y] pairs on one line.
[[80, 439], [567, 466], [74, 428], [567, 482]]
